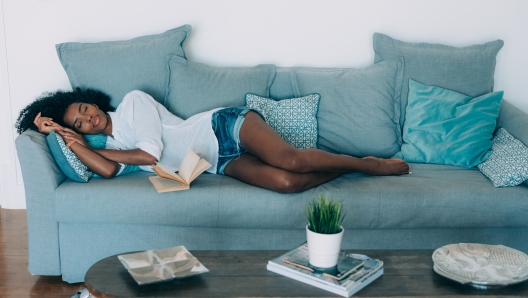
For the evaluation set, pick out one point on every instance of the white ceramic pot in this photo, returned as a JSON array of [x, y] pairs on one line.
[[324, 249]]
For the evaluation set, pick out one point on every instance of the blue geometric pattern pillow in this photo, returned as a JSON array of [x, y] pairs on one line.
[[508, 163], [68, 162], [295, 119]]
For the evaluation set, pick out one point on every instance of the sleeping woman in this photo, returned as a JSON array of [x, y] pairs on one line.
[[236, 141]]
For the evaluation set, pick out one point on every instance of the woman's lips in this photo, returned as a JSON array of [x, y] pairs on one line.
[[96, 120]]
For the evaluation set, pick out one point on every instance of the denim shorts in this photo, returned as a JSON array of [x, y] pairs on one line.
[[226, 125]]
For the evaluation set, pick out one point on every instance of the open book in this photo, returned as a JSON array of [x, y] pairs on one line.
[[191, 167]]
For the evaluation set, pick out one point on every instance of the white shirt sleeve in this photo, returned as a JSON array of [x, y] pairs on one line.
[[146, 122]]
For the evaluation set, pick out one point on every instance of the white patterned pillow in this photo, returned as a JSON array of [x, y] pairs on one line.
[[295, 119], [68, 162], [508, 163]]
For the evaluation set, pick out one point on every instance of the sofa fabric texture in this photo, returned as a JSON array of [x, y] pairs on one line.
[[366, 99], [468, 70], [118, 67]]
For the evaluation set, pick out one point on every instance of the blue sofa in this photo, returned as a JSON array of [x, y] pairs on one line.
[[73, 225]]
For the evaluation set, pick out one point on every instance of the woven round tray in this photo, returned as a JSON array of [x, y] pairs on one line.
[[481, 265]]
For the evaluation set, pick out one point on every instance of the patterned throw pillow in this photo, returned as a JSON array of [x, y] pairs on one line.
[[295, 119], [68, 162], [508, 163]]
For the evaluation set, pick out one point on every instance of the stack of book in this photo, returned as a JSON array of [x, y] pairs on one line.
[[351, 274]]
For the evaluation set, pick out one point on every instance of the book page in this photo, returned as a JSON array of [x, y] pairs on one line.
[[165, 185], [201, 167], [187, 166], [166, 173]]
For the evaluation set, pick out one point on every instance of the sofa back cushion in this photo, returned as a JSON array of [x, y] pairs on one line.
[[467, 70], [281, 88], [196, 87], [118, 67], [359, 109]]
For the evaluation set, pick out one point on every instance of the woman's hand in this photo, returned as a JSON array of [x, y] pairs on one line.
[[71, 137], [45, 124]]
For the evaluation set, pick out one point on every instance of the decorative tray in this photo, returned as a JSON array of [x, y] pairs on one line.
[[481, 265], [153, 266]]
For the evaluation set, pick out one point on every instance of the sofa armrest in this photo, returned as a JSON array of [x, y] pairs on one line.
[[515, 121], [41, 177]]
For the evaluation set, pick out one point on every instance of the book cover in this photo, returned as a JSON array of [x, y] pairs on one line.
[[344, 281]]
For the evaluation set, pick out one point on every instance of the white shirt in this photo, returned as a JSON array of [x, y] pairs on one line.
[[141, 122]]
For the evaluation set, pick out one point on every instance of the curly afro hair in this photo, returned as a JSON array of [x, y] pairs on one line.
[[55, 104]]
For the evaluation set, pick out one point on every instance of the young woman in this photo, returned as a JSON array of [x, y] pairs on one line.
[[236, 141]]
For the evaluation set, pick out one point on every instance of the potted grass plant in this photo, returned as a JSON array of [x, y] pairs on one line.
[[324, 231]]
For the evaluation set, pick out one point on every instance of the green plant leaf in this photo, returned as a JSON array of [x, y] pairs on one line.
[[324, 215]]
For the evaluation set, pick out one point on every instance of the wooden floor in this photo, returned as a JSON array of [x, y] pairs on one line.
[[15, 279]]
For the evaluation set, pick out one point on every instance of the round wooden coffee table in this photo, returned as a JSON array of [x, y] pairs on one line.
[[244, 274]]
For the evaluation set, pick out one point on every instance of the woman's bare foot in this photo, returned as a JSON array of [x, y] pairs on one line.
[[383, 167]]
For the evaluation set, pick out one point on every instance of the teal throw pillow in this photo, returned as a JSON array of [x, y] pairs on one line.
[[447, 127], [294, 119], [196, 87], [71, 165], [67, 161], [96, 141], [467, 70], [359, 109], [118, 67], [507, 164]]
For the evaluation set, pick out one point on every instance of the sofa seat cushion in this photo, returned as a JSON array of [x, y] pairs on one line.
[[213, 201], [445, 196], [433, 196]]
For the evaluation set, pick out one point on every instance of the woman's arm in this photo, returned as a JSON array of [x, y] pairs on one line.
[[104, 162], [129, 157], [94, 161]]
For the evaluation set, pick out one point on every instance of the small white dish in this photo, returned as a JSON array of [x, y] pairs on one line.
[[153, 266]]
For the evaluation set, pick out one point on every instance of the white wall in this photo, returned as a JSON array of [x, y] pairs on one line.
[[317, 33]]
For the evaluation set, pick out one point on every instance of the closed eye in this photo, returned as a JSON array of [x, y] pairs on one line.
[[84, 112]]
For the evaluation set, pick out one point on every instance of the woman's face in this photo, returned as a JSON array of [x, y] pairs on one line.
[[86, 118]]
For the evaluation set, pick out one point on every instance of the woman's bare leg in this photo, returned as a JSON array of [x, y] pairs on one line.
[[252, 170], [260, 140]]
